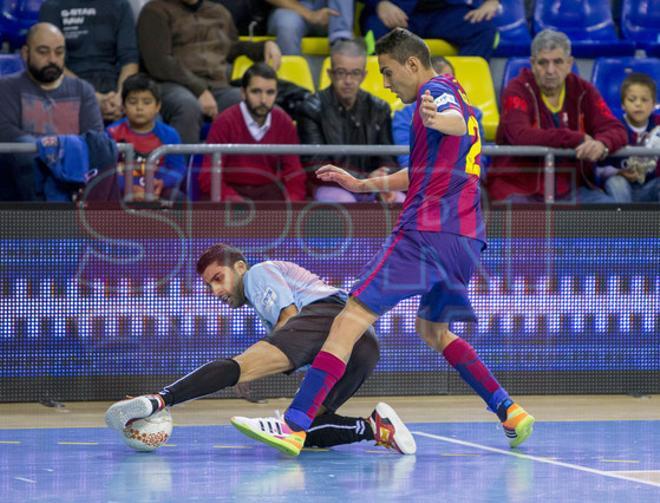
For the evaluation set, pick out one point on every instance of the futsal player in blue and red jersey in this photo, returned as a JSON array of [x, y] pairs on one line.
[[432, 251]]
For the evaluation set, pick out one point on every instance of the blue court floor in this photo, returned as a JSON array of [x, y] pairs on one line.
[[608, 461]]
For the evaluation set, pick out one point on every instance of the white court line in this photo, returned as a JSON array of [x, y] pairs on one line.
[[536, 458], [23, 479]]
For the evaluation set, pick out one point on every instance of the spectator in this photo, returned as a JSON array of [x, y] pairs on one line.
[[256, 121], [141, 128], [100, 45], [552, 107], [292, 20], [41, 101], [344, 114], [402, 119], [186, 45], [636, 179], [464, 23]]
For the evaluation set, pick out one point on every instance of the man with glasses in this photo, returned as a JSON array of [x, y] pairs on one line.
[[344, 114]]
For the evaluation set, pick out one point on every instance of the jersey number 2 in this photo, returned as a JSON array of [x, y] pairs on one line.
[[472, 167]]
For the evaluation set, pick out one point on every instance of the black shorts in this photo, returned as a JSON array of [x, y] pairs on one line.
[[305, 333]]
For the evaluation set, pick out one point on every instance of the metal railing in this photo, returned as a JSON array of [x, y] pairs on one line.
[[549, 155], [126, 148]]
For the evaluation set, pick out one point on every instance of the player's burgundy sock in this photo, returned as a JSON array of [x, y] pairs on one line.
[[464, 358], [326, 370]]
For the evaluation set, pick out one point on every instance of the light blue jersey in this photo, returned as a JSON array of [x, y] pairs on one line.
[[273, 285]]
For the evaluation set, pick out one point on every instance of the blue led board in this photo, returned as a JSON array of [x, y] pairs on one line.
[[96, 306]]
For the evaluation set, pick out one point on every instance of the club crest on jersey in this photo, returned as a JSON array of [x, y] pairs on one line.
[[269, 297], [445, 98]]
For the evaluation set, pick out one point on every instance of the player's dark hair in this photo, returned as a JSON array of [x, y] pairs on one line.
[[138, 83], [221, 254], [640, 79], [258, 70], [401, 44]]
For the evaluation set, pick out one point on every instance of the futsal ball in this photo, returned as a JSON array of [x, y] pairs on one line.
[[150, 433]]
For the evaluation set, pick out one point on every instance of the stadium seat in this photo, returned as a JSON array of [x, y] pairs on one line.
[[312, 46], [513, 66], [588, 24], [511, 23], [608, 74], [16, 18], [11, 63], [640, 22], [294, 69], [474, 75], [439, 47]]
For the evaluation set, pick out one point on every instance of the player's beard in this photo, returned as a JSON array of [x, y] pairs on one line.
[[237, 299]]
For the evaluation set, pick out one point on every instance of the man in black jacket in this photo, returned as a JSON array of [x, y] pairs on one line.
[[343, 114]]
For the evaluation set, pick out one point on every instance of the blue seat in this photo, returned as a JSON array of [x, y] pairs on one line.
[[16, 18], [511, 23], [640, 22], [608, 75], [587, 23], [11, 63], [513, 66]]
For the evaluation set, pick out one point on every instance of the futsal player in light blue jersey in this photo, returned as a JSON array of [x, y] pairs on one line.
[[297, 308]]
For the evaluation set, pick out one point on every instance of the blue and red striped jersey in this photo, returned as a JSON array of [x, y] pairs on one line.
[[443, 195]]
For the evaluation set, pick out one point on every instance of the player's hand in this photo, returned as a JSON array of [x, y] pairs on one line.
[[428, 110], [486, 12], [590, 150], [391, 15], [330, 173], [321, 17], [387, 197], [272, 55], [209, 105]]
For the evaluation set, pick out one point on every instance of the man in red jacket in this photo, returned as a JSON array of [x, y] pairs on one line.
[[552, 107], [256, 121]]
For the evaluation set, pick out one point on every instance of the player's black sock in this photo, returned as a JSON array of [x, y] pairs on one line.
[[207, 379], [330, 429]]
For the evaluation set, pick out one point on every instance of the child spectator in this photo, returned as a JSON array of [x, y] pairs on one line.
[[141, 128], [637, 178]]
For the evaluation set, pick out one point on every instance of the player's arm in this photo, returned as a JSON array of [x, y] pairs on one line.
[[449, 121], [286, 313], [395, 182]]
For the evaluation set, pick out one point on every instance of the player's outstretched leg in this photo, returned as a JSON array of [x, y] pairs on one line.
[[207, 379], [139, 407], [383, 426]]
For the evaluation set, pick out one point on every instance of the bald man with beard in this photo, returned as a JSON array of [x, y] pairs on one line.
[[41, 101]]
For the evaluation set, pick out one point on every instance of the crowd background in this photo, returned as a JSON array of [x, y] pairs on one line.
[[78, 75]]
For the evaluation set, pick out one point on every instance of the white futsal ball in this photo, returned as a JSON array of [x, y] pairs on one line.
[[150, 433]]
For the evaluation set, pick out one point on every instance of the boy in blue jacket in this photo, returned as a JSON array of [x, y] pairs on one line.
[[141, 128]]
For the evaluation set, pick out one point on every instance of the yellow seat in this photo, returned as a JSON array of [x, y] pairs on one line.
[[294, 69], [315, 46], [373, 82], [258, 38], [474, 75], [439, 47]]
